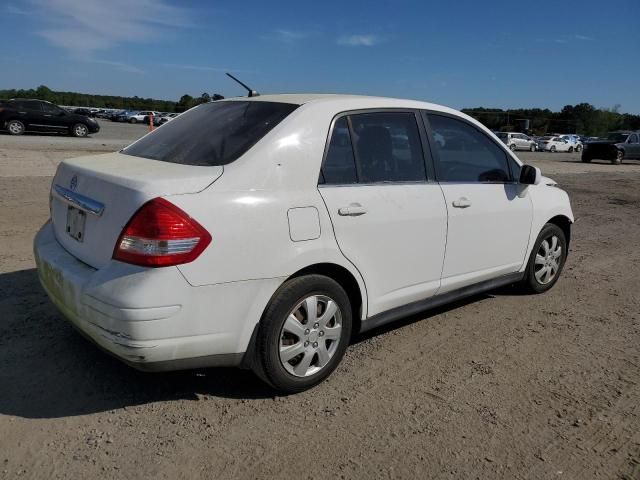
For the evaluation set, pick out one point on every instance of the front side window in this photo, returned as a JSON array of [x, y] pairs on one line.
[[633, 138], [50, 109], [465, 154], [215, 133]]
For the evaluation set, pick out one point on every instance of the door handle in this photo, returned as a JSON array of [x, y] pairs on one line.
[[353, 210], [462, 202]]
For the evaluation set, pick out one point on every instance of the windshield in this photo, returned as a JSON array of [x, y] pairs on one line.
[[215, 133], [617, 137]]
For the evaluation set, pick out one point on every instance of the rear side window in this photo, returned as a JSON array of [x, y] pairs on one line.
[[215, 133], [339, 165], [374, 148], [465, 154]]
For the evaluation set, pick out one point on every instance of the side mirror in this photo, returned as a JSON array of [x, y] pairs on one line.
[[530, 175]]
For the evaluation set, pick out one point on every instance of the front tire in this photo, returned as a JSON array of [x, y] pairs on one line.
[[15, 127], [512, 147], [570, 149], [619, 157], [303, 334], [547, 259], [79, 130], [553, 149]]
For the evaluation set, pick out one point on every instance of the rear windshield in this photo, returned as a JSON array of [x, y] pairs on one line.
[[215, 133]]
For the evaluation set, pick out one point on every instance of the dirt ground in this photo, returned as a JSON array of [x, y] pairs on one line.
[[499, 386]]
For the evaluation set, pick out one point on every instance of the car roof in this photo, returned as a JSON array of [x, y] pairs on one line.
[[344, 101]]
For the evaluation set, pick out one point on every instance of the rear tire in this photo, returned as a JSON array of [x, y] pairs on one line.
[[298, 348], [619, 157], [579, 148], [532, 148], [547, 259], [512, 147], [570, 149], [15, 127], [553, 149], [133, 120]]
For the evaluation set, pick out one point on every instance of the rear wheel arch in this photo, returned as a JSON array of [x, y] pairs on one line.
[[336, 272], [346, 280]]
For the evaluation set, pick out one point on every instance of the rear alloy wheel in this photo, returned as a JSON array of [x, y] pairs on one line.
[[512, 147], [547, 259], [79, 130], [578, 148], [15, 127], [532, 148], [619, 157], [553, 149], [303, 334], [133, 120]]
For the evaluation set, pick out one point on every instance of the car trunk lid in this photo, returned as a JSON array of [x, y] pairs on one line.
[[94, 197]]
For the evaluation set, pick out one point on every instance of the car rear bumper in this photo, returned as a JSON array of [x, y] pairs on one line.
[[151, 319]]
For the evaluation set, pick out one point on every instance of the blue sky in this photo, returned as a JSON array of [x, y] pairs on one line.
[[460, 53]]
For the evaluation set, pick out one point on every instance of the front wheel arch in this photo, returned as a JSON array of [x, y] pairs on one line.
[[565, 224]]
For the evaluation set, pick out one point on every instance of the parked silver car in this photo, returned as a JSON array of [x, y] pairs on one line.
[[517, 141]]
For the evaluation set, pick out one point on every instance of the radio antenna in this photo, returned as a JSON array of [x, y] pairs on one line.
[[252, 93]]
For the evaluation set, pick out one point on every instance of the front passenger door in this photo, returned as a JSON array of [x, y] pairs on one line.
[[54, 117], [489, 212], [633, 147]]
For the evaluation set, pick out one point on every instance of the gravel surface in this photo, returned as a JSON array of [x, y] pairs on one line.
[[499, 386]]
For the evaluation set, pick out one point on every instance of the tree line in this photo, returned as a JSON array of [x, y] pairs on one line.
[[107, 101], [583, 119]]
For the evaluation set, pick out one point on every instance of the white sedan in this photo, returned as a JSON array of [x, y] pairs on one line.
[[554, 144], [266, 232]]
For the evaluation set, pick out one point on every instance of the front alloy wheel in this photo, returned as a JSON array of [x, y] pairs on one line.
[[80, 130], [547, 262], [547, 259]]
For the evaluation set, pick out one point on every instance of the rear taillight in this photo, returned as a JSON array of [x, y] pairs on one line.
[[159, 235]]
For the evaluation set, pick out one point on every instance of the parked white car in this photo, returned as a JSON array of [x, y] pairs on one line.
[[554, 144], [517, 141], [574, 141], [139, 116], [265, 232]]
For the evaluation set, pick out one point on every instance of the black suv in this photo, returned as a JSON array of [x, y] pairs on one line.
[[22, 115], [616, 147]]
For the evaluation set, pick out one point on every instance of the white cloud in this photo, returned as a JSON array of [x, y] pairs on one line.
[[16, 10], [583, 37], [199, 68], [288, 36], [359, 40], [125, 67], [83, 27]]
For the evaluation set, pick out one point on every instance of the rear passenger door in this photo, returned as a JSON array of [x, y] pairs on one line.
[[388, 215], [489, 212]]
